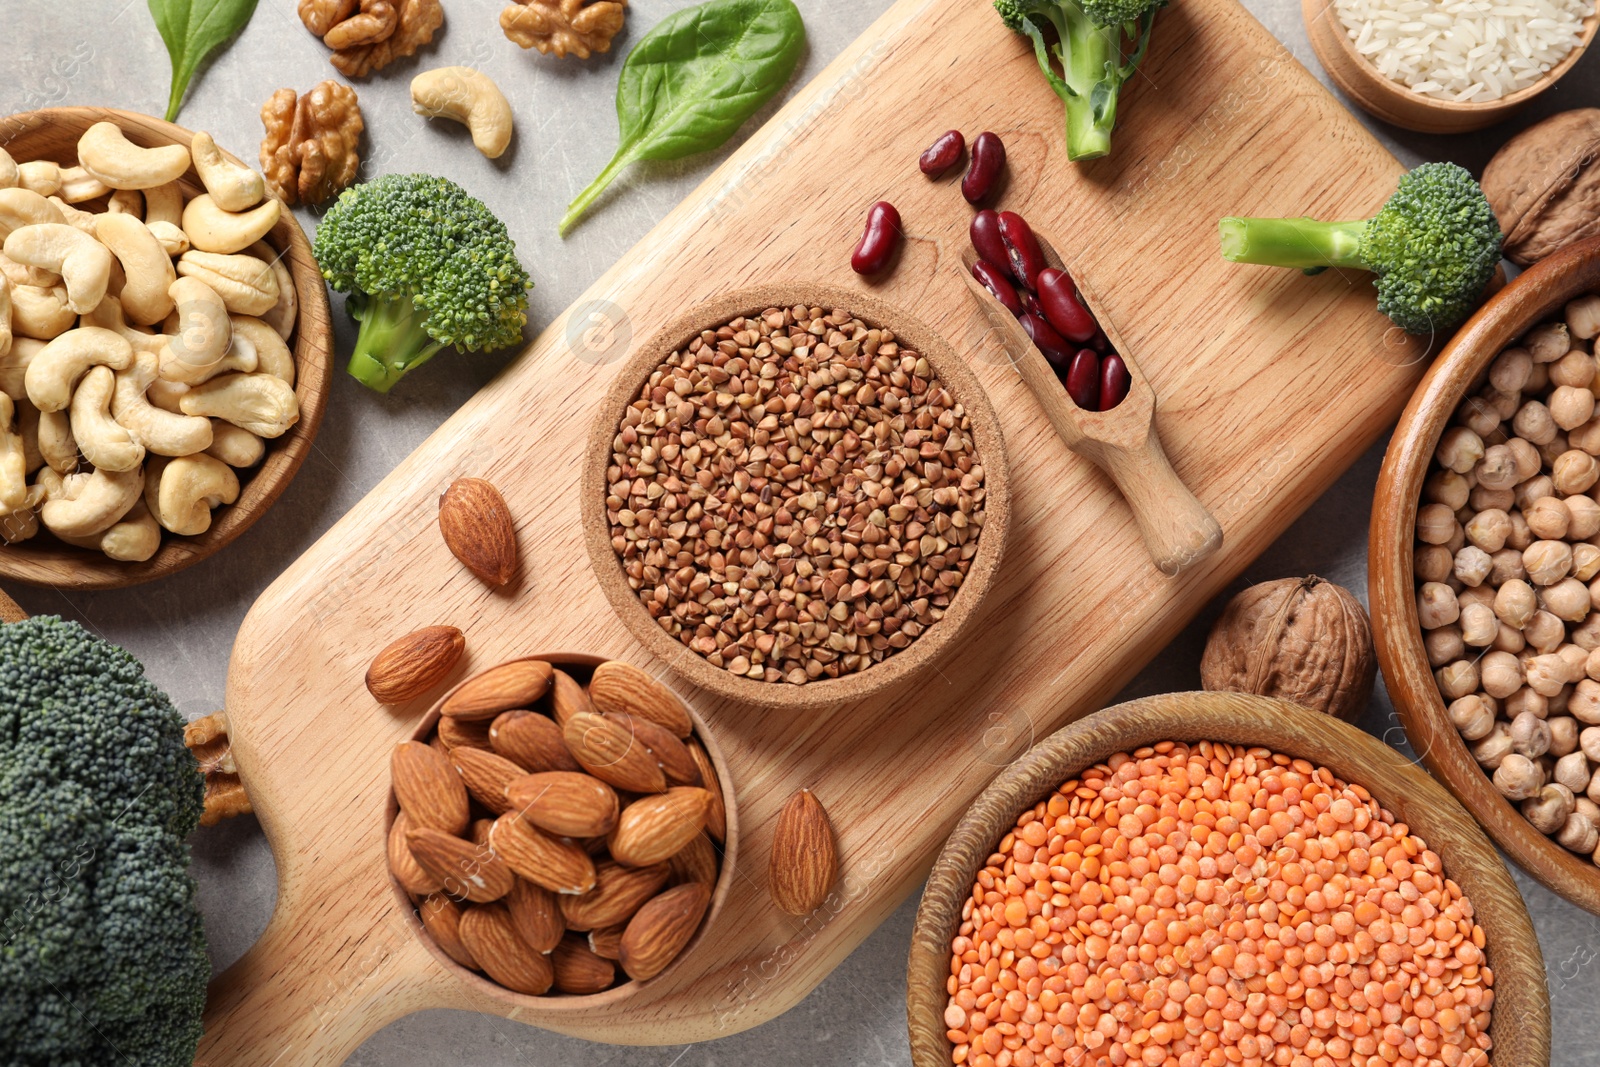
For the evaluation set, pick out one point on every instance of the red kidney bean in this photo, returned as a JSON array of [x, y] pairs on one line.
[[1083, 379], [880, 240], [988, 160], [1046, 340], [995, 280], [985, 234], [943, 154], [1031, 303], [1114, 382], [1022, 248], [1100, 342], [1062, 306]]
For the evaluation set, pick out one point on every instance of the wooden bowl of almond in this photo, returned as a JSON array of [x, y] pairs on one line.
[[559, 827]]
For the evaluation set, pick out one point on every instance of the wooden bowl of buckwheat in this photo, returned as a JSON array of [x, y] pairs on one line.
[[796, 495], [1484, 570]]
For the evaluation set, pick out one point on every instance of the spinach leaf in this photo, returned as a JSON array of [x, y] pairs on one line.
[[692, 81], [192, 30]]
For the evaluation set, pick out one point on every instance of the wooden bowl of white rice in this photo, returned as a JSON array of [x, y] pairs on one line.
[[1447, 66]]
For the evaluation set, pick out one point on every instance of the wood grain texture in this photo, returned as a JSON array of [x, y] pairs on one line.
[[9, 611], [53, 133], [1521, 1029], [1271, 384], [1537, 293]]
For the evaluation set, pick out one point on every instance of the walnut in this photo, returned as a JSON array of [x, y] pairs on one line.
[[1544, 185], [311, 150], [1304, 640], [580, 27], [320, 16], [208, 739], [414, 24]]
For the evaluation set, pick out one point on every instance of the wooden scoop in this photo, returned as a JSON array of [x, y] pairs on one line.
[[1177, 528]]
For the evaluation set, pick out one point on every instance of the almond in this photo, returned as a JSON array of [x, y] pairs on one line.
[[441, 917], [566, 803], [652, 829], [618, 892], [465, 869], [619, 686], [567, 698], [486, 776], [403, 865], [578, 970], [463, 733], [428, 788], [606, 942], [489, 934], [672, 754], [531, 741], [717, 817], [660, 929], [609, 751], [805, 860], [478, 530], [536, 914], [559, 866], [510, 685], [695, 862], [414, 664]]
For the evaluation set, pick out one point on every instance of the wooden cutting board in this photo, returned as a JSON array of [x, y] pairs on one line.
[[1270, 385]]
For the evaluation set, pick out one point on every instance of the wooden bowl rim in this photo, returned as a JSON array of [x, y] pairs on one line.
[[1535, 294], [51, 564], [1237, 718], [963, 385], [554, 1004]]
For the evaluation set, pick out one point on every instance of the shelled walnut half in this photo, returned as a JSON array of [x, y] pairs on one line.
[[368, 35], [578, 27], [311, 150], [208, 739]]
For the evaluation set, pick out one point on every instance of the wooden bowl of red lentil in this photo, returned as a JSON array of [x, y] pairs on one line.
[[1190, 956]]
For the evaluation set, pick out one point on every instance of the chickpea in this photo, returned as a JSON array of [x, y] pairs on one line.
[[1472, 717], [1479, 626], [1564, 737], [1547, 342], [1546, 673], [1576, 659], [1585, 562], [1472, 565], [1496, 470], [1579, 834], [1544, 632], [1434, 563], [1589, 743], [1574, 471], [1584, 703], [1576, 369], [1530, 735], [1586, 437], [1458, 679], [1459, 449], [1443, 645], [1567, 600], [1527, 457], [1557, 705], [1538, 379], [1518, 777], [1547, 561], [1536, 488], [1500, 674], [1479, 415], [1436, 524], [1507, 639], [1505, 405], [1587, 633], [1548, 518], [1495, 747], [1448, 487], [1583, 517], [1510, 369], [1572, 771], [1477, 594], [1507, 567], [1552, 449], [1532, 423], [1526, 699], [1589, 810], [1548, 810], [1520, 536], [1583, 316], [1436, 605], [1571, 406], [1515, 603]]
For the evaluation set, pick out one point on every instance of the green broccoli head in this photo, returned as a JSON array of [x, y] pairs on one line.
[[102, 954], [426, 266], [1120, 12]]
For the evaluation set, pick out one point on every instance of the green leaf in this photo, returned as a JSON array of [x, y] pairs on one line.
[[192, 30], [693, 80]]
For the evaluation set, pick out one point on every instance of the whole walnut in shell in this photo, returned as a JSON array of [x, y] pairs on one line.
[[1544, 185], [1304, 640]]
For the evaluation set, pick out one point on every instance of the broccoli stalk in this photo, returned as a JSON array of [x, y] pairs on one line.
[[1433, 246], [392, 340]]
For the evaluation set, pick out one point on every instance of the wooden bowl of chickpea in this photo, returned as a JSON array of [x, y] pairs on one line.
[[1484, 570]]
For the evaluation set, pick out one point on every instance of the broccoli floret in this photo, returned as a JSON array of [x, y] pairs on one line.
[[1088, 48], [102, 954], [426, 265], [1433, 246]]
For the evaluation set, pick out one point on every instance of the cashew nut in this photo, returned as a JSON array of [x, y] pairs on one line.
[[81, 220], [145, 297], [22, 274], [126, 202], [40, 176], [78, 185], [19, 525], [282, 315], [240, 357], [272, 354], [246, 284], [235, 446], [468, 96], [28, 427], [108, 313], [168, 396], [108, 155], [14, 366], [83, 263], [5, 314], [24, 207], [260, 403], [56, 443], [233, 186], [8, 170], [13, 460], [212, 229], [190, 487], [160, 431], [104, 441], [174, 242], [41, 313], [133, 538], [89, 504], [203, 331], [163, 203], [55, 371]]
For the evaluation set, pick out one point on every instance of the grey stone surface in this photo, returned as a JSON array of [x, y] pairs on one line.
[[107, 52]]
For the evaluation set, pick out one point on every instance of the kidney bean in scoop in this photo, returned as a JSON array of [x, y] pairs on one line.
[[985, 234], [1114, 382], [943, 154], [880, 240], [993, 279], [988, 160], [1083, 379], [1062, 306], [1046, 340], [1022, 248]]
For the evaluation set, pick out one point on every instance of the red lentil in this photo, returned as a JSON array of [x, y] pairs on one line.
[[1211, 906]]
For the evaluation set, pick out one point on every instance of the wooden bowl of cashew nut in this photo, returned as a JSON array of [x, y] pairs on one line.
[[165, 363]]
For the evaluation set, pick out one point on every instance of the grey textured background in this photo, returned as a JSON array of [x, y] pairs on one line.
[[107, 52]]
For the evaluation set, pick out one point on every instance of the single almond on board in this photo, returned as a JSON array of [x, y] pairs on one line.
[[531, 741], [578, 970], [510, 685], [619, 686], [606, 942], [403, 865], [660, 929], [536, 914], [618, 892], [567, 697], [559, 866], [491, 937], [652, 829], [805, 859], [486, 776], [609, 751], [466, 869], [463, 733], [717, 817], [412, 665], [695, 862], [441, 917], [428, 788], [673, 755], [478, 530], [565, 803]]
